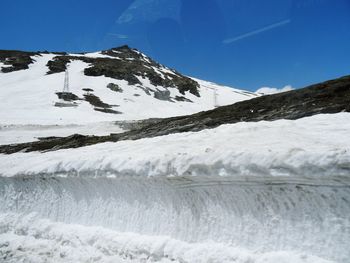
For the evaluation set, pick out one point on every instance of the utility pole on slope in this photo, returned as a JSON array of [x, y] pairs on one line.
[[215, 98], [66, 82]]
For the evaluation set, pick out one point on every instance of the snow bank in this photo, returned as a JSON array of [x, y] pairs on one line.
[[316, 147], [247, 192], [32, 240]]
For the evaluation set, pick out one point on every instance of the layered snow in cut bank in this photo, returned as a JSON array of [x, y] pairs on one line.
[[111, 157], [245, 192]]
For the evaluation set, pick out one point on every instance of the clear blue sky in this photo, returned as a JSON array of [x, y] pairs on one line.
[[242, 43]]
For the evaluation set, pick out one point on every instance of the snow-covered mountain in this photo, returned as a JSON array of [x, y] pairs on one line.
[[263, 180], [116, 84]]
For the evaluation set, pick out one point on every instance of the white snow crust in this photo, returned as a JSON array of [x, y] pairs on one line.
[[257, 149]]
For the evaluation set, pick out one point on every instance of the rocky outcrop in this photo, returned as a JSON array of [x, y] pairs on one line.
[[67, 96], [127, 64], [16, 60], [114, 87], [328, 97], [99, 105], [162, 95]]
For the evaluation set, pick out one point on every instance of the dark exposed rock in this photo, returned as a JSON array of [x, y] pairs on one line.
[[112, 68], [96, 101], [67, 96], [162, 95], [99, 105], [182, 98], [58, 64], [16, 60], [88, 90], [107, 110], [328, 97], [114, 87]]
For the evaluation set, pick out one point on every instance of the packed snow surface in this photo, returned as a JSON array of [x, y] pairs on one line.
[[313, 147], [247, 192]]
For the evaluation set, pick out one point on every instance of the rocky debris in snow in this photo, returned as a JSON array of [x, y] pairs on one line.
[[107, 110], [114, 87], [16, 60], [67, 96], [328, 97], [58, 64], [162, 95], [182, 98], [97, 102], [88, 90]]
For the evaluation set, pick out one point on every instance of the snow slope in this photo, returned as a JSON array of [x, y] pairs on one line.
[[28, 96], [245, 192]]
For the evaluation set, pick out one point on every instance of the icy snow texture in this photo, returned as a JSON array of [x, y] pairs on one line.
[[33, 240], [247, 192]]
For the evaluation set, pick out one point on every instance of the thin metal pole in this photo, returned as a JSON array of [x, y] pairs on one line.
[[66, 82]]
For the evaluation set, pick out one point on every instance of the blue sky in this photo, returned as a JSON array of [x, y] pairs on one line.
[[243, 43]]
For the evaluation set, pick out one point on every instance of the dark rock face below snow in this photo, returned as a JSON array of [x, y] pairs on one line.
[[327, 97]]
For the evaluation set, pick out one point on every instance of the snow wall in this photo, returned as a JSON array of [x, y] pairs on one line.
[[311, 218]]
